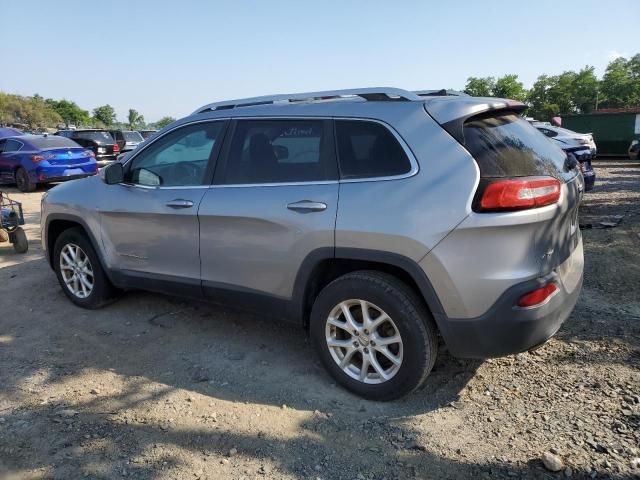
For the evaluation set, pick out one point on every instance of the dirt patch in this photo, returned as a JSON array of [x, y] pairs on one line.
[[156, 387]]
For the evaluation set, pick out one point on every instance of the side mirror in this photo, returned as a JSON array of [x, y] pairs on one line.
[[113, 174]]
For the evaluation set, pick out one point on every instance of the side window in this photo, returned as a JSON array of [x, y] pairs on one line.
[[280, 151], [11, 146], [368, 149], [2, 144], [179, 158]]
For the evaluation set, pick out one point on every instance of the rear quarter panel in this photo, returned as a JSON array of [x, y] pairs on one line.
[[409, 216]]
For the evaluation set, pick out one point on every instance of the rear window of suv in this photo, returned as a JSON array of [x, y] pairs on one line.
[[96, 136], [132, 136], [506, 145]]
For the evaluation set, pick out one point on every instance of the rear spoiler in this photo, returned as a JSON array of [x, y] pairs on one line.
[[451, 112]]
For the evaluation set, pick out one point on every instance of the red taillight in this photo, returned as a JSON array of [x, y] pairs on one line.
[[39, 158], [520, 193], [116, 148], [537, 296]]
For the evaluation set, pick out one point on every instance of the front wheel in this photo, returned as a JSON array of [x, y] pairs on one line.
[[79, 270], [24, 182], [374, 335]]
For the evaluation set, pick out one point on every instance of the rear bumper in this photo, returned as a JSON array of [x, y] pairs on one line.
[[65, 178], [507, 329], [59, 173]]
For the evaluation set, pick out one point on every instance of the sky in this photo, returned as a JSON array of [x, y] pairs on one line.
[[170, 57]]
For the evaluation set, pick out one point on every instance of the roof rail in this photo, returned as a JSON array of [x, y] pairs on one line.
[[367, 94], [440, 93]]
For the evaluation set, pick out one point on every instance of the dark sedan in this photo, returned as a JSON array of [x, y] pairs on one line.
[[100, 141]]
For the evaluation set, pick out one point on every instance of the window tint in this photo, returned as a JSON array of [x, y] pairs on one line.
[[132, 136], [508, 146], [180, 158], [11, 146], [96, 136], [279, 151], [369, 149], [53, 142]]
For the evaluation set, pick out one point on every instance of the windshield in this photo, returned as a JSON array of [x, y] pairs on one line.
[[505, 145], [132, 136], [96, 136]]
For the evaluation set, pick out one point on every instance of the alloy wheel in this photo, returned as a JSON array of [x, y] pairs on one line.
[[76, 270], [364, 341]]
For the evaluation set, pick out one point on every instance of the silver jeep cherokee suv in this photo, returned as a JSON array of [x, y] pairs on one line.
[[378, 218]]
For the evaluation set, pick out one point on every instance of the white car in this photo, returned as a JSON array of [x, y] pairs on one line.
[[568, 139]]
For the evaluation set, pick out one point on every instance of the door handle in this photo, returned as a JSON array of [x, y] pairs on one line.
[[306, 206], [180, 203]]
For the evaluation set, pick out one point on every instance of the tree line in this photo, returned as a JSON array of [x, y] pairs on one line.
[[569, 92], [37, 113], [550, 95]]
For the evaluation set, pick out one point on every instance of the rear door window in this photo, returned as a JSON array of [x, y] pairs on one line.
[[506, 145], [11, 146], [368, 149], [280, 151]]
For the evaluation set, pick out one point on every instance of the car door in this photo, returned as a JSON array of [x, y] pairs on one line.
[[9, 159], [149, 223], [3, 164], [273, 202]]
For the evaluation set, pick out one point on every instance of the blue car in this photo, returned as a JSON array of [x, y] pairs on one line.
[[29, 160], [584, 156]]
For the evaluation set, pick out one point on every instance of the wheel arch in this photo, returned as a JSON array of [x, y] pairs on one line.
[[56, 224], [326, 264]]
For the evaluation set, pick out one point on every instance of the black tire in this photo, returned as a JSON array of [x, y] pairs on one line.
[[411, 317], [103, 292], [19, 240], [23, 182]]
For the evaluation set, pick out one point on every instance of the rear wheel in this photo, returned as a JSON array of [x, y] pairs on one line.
[[24, 183], [374, 335], [79, 270], [19, 240]]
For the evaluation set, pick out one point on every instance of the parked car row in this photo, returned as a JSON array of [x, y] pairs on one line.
[[579, 145], [28, 160]]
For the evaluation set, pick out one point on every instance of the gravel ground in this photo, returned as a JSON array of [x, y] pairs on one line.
[[156, 387]]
